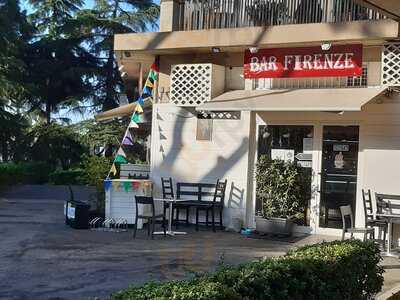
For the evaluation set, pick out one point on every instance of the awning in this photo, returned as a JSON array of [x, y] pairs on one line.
[[120, 112], [338, 99]]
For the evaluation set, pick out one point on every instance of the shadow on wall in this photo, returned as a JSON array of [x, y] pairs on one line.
[[234, 194]]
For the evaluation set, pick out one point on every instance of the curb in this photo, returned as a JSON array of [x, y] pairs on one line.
[[388, 294]]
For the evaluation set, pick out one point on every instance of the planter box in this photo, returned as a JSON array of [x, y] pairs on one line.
[[274, 225]]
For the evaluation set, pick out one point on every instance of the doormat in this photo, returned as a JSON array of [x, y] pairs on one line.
[[276, 237]]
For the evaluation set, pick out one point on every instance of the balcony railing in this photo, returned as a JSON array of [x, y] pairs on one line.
[[203, 14]]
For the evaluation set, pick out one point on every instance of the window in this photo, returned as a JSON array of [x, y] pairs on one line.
[[204, 127]]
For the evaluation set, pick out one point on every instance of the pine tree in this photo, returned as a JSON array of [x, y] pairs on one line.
[[98, 27], [60, 67]]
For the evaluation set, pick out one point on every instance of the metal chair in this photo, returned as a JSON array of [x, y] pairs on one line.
[[369, 215], [347, 214], [151, 219]]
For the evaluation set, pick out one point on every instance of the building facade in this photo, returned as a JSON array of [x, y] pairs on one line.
[[310, 81]]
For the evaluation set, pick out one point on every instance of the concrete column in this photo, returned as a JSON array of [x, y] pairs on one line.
[[169, 15]]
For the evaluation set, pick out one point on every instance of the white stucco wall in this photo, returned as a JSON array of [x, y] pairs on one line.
[[379, 145], [176, 153]]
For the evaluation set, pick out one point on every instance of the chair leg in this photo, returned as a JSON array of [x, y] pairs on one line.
[[134, 229], [165, 228], [206, 217], [365, 236], [351, 236], [177, 218], [213, 218], [148, 227], [153, 225], [220, 219], [343, 232], [164, 218], [197, 219]]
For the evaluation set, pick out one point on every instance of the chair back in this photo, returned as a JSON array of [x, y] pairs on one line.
[[145, 200], [347, 216], [167, 188], [220, 188], [367, 202]]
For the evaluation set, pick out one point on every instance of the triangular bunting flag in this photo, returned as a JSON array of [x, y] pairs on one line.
[[127, 186], [149, 84], [132, 124], [127, 141], [154, 67], [120, 159], [147, 91], [113, 170], [139, 108], [116, 185], [107, 184], [153, 75], [140, 101], [136, 118]]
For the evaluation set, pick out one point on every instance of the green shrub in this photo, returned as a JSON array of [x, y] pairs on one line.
[[281, 188], [24, 172], [335, 270], [67, 177], [95, 169]]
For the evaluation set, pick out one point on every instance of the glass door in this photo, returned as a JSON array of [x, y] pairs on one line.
[[339, 173]]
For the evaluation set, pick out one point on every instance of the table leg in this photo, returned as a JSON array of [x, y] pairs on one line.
[[169, 231], [388, 251]]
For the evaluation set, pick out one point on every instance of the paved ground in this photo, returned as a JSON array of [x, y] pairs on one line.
[[41, 258]]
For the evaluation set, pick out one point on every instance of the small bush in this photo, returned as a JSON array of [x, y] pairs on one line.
[[281, 188], [67, 177], [337, 270], [26, 172]]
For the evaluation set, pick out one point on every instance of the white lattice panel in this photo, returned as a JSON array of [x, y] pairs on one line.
[[391, 64], [194, 84]]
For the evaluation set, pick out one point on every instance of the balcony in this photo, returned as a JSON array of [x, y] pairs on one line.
[[216, 14]]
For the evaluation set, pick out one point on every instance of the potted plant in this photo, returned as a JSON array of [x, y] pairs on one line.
[[281, 191]]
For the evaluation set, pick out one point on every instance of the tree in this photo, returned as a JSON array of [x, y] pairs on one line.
[[98, 26], [14, 35], [59, 66]]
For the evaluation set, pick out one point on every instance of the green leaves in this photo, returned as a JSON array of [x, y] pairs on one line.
[[345, 270], [281, 188]]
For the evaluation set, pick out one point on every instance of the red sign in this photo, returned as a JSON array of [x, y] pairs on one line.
[[339, 60]]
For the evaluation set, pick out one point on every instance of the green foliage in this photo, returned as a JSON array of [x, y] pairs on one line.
[[95, 170], [67, 177], [345, 270], [58, 145], [97, 27], [27, 173], [281, 187]]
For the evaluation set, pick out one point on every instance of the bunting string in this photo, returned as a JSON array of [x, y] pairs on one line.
[[137, 117]]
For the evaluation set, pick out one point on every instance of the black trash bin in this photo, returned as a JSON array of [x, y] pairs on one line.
[[76, 213]]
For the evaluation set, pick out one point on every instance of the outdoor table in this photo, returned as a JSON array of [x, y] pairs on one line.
[[171, 202], [391, 218]]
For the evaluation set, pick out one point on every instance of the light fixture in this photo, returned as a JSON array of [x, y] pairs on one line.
[[253, 49], [121, 67], [216, 49], [124, 74], [325, 46]]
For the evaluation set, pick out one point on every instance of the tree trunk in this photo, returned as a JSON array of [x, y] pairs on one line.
[[48, 112]]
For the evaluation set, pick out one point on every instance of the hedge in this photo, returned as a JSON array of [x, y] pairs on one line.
[[334, 270], [27, 172], [68, 177]]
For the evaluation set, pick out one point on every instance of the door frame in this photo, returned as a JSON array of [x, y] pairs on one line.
[[334, 231], [314, 227]]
